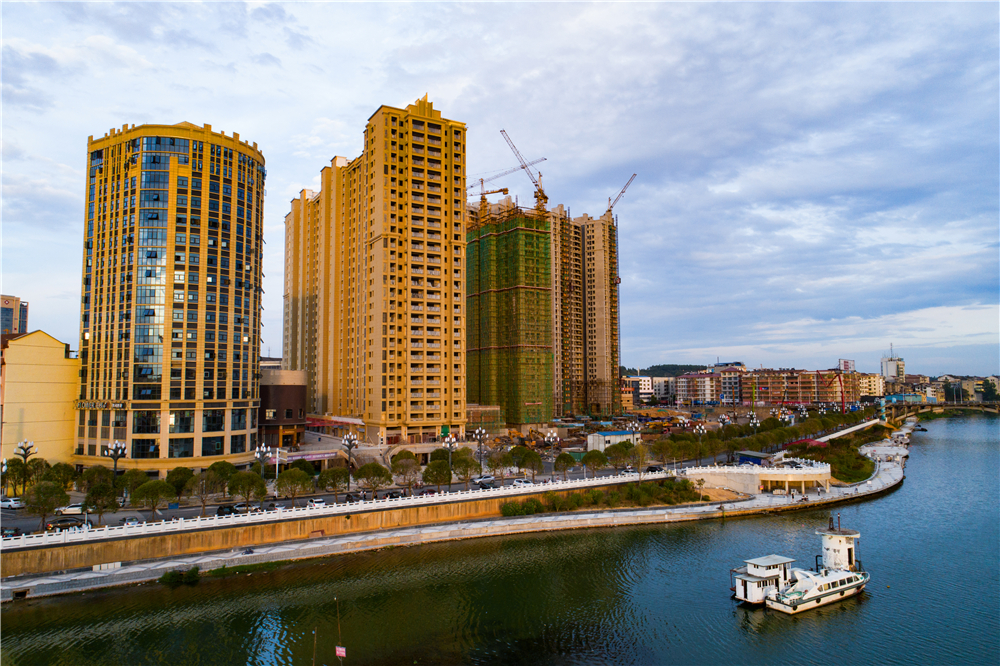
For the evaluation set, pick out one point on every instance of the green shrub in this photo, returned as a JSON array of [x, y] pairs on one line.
[[535, 504], [595, 496], [191, 576], [172, 578], [511, 509], [614, 498], [575, 501]]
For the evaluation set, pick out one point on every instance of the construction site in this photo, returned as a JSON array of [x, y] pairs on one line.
[[542, 303]]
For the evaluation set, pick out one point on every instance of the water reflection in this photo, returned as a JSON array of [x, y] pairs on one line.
[[632, 596]]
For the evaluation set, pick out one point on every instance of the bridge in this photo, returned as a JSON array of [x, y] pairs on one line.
[[897, 412]]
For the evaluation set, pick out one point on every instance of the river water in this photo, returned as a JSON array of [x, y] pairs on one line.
[[650, 595]]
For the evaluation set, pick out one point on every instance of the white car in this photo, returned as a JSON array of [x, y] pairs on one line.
[[11, 503], [486, 478], [70, 509], [316, 503], [629, 472], [518, 483]]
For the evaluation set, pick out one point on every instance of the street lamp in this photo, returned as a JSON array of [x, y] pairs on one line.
[[699, 430], [754, 423], [634, 428], [480, 435], [350, 442], [263, 453], [24, 451], [451, 444], [551, 439], [116, 452]]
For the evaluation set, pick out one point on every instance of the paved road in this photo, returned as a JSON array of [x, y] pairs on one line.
[[29, 523]]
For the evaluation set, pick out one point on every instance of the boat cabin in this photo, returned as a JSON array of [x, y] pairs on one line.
[[752, 582]]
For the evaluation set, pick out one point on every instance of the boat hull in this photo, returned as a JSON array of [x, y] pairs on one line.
[[825, 599]]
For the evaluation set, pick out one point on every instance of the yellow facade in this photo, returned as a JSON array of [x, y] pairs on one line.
[[374, 280], [871, 384], [170, 307], [38, 390]]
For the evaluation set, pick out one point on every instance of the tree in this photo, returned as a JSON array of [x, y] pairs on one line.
[[517, 455], [293, 482], [563, 463], [466, 468], [305, 466], [248, 486], [17, 473], [403, 455], [374, 476], [594, 460], [224, 470], [101, 499], [61, 474], [638, 455], [202, 486], [178, 478], [42, 499], [439, 454], [532, 462], [95, 476], [151, 494], [990, 391], [333, 479], [131, 480], [660, 450], [437, 473], [37, 467], [406, 470], [617, 455], [498, 462]]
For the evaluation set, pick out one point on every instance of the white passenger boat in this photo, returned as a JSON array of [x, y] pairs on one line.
[[770, 579]]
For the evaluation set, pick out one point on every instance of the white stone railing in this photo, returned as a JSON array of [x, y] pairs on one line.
[[809, 467], [210, 522]]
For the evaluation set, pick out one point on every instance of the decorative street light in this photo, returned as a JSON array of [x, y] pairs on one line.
[[551, 439], [634, 428], [24, 451], [451, 444], [350, 442], [699, 430], [3, 471], [754, 423], [116, 452], [263, 453], [480, 435]]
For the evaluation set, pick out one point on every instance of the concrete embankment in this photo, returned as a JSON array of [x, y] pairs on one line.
[[886, 477]]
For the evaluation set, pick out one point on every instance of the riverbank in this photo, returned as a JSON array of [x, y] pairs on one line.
[[887, 476]]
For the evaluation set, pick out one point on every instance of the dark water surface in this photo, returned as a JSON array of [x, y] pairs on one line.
[[623, 596]]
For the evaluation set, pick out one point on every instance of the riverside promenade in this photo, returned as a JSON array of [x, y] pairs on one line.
[[887, 475]]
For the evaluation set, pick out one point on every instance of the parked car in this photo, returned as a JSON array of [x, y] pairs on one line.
[[653, 469], [392, 494], [316, 503], [274, 506], [6, 532], [11, 503], [486, 478], [428, 491], [70, 509], [520, 483], [225, 510], [629, 472], [130, 520], [351, 498], [66, 523], [486, 485], [242, 507]]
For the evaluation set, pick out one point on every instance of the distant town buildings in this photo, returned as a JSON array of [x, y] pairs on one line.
[[893, 368], [13, 315], [170, 307]]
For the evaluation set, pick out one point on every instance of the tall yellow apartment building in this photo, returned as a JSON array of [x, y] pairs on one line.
[[374, 308], [170, 303]]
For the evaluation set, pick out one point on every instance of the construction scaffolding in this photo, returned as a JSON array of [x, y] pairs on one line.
[[509, 333], [488, 417]]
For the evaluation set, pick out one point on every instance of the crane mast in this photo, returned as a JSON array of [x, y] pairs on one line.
[[540, 198]]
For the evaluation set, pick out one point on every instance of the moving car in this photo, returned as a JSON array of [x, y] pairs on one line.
[[629, 472], [130, 520], [66, 523], [11, 503], [6, 532], [242, 508], [316, 503], [274, 506], [487, 485], [653, 469], [70, 509], [519, 483], [393, 494], [428, 491], [225, 510], [351, 498], [486, 478]]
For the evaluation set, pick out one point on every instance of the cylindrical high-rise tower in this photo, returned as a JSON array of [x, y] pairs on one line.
[[170, 308]]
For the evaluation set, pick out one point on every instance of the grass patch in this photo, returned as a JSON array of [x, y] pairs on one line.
[[224, 571], [846, 462], [175, 578], [649, 493]]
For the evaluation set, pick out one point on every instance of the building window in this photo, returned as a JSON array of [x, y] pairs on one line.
[[146, 422], [239, 419], [237, 443], [270, 414], [182, 421], [144, 448], [213, 420], [212, 446], [181, 448]]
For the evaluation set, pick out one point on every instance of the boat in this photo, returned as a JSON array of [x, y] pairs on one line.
[[772, 581]]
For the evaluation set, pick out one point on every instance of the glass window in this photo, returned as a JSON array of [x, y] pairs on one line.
[[213, 420], [181, 448], [239, 419], [147, 421], [144, 448], [182, 421], [237, 443], [270, 414], [212, 446]]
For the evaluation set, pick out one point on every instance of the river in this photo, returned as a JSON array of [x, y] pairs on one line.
[[650, 595]]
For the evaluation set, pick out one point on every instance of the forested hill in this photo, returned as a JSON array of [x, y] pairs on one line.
[[663, 370]]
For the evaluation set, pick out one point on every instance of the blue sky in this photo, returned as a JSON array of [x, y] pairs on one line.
[[816, 181]]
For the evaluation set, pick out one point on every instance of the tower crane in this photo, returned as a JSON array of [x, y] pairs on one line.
[[611, 204], [507, 172], [540, 198], [843, 398]]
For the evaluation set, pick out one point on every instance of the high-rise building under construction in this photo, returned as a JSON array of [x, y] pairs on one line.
[[543, 312], [374, 306]]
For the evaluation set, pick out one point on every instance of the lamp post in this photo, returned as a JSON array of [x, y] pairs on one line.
[[633, 427], [116, 452], [551, 439], [754, 423], [24, 451], [3, 471], [480, 435], [699, 430], [350, 442], [263, 453], [451, 444]]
